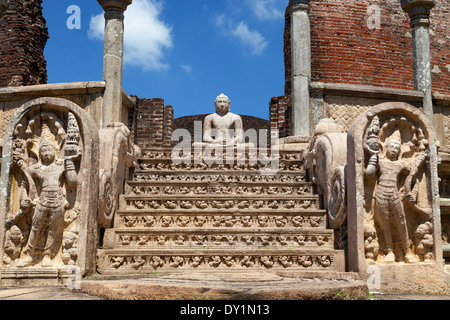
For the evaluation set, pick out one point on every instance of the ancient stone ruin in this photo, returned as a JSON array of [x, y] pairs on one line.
[[217, 210], [351, 180]]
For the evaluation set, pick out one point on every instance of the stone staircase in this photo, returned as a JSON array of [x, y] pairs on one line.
[[221, 217]]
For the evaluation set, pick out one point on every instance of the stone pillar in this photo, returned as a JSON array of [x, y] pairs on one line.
[[419, 12], [300, 67], [113, 59]]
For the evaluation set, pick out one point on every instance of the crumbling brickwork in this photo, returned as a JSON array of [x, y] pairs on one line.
[[280, 116], [345, 50], [23, 35], [154, 124], [440, 47]]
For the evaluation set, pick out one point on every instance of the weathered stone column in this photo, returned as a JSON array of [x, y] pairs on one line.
[[419, 12], [300, 66], [113, 59]]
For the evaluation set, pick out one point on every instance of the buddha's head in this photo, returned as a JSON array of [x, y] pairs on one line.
[[222, 104]]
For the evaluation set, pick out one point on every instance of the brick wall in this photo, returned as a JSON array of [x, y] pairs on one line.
[[280, 116], [154, 124], [345, 50], [440, 47], [168, 127], [23, 35]]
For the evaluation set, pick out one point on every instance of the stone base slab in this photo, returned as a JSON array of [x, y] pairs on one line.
[[226, 286], [32, 276], [421, 277]]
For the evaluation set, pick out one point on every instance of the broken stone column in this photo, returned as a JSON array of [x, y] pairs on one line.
[[419, 12], [113, 59], [301, 67]]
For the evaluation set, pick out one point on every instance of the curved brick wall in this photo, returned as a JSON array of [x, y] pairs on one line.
[[345, 50], [23, 35]]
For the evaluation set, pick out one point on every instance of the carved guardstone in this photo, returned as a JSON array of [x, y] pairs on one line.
[[393, 199], [49, 191]]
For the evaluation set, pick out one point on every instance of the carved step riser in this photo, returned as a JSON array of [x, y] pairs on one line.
[[222, 204], [214, 261], [195, 155], [218, 177], [220, 220], [221, 166], [205, 188], [217, 240]]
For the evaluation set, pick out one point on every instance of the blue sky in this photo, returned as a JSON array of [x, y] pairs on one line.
[[186, 52]]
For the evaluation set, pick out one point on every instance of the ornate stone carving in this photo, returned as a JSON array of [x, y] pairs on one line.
[[299, 204], [337, 203], [393, 174], [42, 193], [46, 211], [227, 261], [160, 166], [217, 221], [326, 159], [119, 155], [389, 211]]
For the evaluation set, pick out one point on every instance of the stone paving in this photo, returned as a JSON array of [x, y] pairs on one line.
[[62, 293], [174, 287], [44, 293]]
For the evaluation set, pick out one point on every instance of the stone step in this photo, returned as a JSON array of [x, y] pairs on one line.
[[227, 238], [213, 219], [190, 188], [160, 165], [226, 176], [225, 194], [117, 261], [219, 202], [195, 154]]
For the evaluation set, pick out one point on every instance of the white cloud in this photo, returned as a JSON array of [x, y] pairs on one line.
[[186, 68], [253, 42], [222, 21], [266, 9], [147, 38], [96, 27], [251, 39]]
